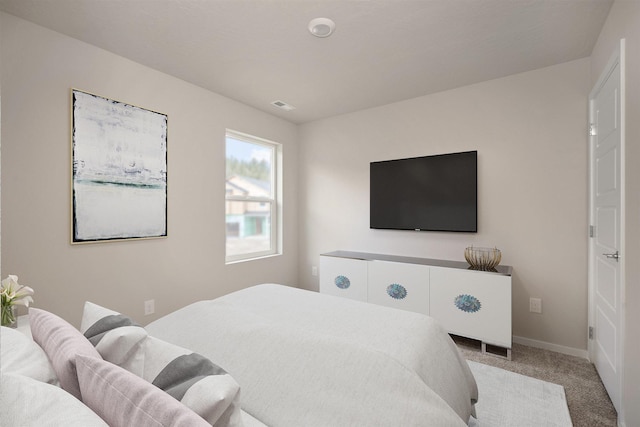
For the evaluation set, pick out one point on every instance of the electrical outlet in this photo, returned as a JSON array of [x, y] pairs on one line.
[[314, 270], [535, 305], [149, 307]]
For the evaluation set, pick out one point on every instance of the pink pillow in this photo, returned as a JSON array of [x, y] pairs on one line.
[[124, 399], [62, 342]]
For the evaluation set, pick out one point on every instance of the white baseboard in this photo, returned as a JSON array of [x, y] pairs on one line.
[[553, 347]]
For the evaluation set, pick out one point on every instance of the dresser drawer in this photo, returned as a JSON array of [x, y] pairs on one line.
[[472, 304], [398, 285], [343, 277]]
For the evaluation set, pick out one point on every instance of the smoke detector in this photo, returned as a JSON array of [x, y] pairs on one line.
[[321, 27]]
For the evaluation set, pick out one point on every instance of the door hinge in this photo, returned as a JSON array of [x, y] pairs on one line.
[[590, 332], [592, 231], [592, 129]]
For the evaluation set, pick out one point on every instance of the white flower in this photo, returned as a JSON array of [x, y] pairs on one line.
[[13, 293]]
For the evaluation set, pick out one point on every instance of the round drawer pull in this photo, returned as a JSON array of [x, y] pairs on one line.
[[467, 303], [342, 282], [396, 291]]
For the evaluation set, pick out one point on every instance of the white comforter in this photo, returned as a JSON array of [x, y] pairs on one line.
[[307, 359]]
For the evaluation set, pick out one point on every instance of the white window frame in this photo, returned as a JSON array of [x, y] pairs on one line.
[[275, 201]]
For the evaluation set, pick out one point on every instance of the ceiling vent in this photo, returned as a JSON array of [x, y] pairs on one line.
[[283, 105]]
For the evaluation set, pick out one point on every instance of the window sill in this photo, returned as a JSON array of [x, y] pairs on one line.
[[252, 259]]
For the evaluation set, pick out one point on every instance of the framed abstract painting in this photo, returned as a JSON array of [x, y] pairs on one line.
[[119, 158]]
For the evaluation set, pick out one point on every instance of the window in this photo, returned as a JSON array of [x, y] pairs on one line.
[[252, 217]]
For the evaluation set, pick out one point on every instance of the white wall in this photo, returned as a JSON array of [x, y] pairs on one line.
[[529, 130], [0, 146], [38, 69], [624, 22]]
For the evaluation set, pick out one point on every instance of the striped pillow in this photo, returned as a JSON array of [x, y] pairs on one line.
[[194, 380], [117, 338], [189, 377]]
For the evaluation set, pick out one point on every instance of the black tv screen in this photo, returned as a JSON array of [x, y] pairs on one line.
[[431, 193]]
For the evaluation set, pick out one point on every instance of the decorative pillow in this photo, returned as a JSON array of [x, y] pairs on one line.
[[124, 399], [194, 380], [62, 342], [20, 355], [189, 377], [25, 401], [117, 338]]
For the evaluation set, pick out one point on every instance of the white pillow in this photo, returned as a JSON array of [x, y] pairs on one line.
[[192, 379], [19, 354], [27, 402]]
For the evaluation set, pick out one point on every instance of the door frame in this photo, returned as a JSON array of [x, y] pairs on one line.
[[617, 58]]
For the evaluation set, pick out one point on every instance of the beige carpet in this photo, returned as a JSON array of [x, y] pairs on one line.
[[589, 404]]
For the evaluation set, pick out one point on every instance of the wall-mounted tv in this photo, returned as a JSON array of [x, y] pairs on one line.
[[430, 193]]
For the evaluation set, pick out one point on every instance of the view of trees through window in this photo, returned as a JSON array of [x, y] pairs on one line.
[[257, 169], [250, 199]]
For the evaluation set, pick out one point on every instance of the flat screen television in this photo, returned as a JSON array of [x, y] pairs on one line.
[[430, 193]]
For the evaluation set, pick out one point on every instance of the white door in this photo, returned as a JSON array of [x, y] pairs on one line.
[[606, 290]]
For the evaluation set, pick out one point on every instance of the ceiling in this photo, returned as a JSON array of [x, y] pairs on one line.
[[382, 51]]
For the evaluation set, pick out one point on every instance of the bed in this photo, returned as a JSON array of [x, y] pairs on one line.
[[302, 358]]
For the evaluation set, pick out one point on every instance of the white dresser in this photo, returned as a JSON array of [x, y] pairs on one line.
[[468, 303]]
